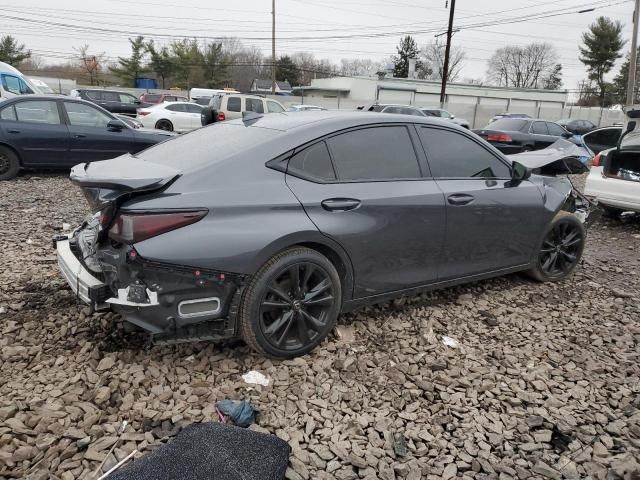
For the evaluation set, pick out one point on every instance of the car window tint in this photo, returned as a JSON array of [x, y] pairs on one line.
[[93, 95], [314, 162], [556, 130], [254, 105], [8, 113], [454, 155], [193, 108], [177, 107], [126, 98], [151, 98], [605, 138], [431, 113], [11, 84], [38, 111], [508, 124], [376, 153], [233, 104], [83, 115], [274, 107], [110, 97], [539, 128]]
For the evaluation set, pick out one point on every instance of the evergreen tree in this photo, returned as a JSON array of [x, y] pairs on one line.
[[407, 49], [600, 50], [286, 69], [215, 64], [619, 86], [554, 80], [12, 52], [161, 62], [131, 68]]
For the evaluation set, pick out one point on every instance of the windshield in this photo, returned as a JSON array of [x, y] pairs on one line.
[[152, 98], [509, 124], [206, 146]]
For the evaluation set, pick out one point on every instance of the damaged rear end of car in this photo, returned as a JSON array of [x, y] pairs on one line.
[[101, 262]]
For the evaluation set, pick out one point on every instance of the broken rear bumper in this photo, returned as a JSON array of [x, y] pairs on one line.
[[87, 288]]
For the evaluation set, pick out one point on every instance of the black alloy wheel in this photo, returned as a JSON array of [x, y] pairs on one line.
[[561, 248], [291, 304], [295, 308]]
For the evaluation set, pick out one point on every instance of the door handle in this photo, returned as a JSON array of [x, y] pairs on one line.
[[460, 199], [13, 130], [340, 204], [80, 135]]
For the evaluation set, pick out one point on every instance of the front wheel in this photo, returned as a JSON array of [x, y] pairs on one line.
[[561, 249], [291, 304]]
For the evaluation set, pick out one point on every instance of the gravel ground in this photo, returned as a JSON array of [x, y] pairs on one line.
[[542, 383]]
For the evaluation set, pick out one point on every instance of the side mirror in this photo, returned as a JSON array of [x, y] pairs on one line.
[[452, 116], [137, 102], [519, 172], [115, 125]]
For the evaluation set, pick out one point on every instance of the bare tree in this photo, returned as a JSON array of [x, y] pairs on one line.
[[523, 67], [360, 67], [433, 61], [90, 64]]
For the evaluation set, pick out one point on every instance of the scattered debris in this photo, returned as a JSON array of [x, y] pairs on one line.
[[240, 412], [345, 333], [254, 377], [450, 342]]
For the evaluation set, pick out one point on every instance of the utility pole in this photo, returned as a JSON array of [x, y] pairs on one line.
[[631, 85], [273, 47], [445, 70]]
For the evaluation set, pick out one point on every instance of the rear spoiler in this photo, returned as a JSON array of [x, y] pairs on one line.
[[561, 158]]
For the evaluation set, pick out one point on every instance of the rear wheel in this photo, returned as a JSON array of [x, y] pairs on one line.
[[291, 304], [164, 125], [561, 249], [9, 164]]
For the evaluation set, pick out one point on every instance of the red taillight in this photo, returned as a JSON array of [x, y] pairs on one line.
[[135, 227], [142, 113], [499, 137], [221, 117], [595, 162]]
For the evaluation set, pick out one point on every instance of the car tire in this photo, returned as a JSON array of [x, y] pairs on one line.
[[291, 303], [611, 212], [9, 163], [164, 125], [560, 250]]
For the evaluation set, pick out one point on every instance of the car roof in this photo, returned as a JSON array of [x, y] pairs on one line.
[[287, 121]]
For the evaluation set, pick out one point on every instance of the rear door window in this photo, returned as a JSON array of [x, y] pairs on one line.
[[539, 128], [454, 155], [94, 95], [254, 105], [555, 129], [234, 104], [192, 108], [38, 111], [178, 107], [110, 97], [376, 153], [313, 162]]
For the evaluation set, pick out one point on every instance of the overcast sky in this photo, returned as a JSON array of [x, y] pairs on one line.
[[322, 27]]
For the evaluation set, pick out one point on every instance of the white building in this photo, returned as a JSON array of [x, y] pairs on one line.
[[476, 103]]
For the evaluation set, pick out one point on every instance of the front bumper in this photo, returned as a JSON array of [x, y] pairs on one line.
[[87, 288]]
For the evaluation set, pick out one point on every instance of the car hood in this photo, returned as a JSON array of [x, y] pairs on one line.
[[560, 158]]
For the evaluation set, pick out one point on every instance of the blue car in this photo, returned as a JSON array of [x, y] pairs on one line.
[[59, 132]]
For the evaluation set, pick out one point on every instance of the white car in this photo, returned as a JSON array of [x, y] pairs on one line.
[[614, 179], [304, 108], [171, 116]]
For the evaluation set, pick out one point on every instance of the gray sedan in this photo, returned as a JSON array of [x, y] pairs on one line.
[[268, 227]]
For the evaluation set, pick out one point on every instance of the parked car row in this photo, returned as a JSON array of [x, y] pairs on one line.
[[414, 110]]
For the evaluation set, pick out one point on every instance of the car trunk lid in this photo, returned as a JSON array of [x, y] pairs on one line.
[[561, 158], [107, 183]]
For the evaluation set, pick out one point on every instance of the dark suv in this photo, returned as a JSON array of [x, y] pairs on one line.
[[111, 100]]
